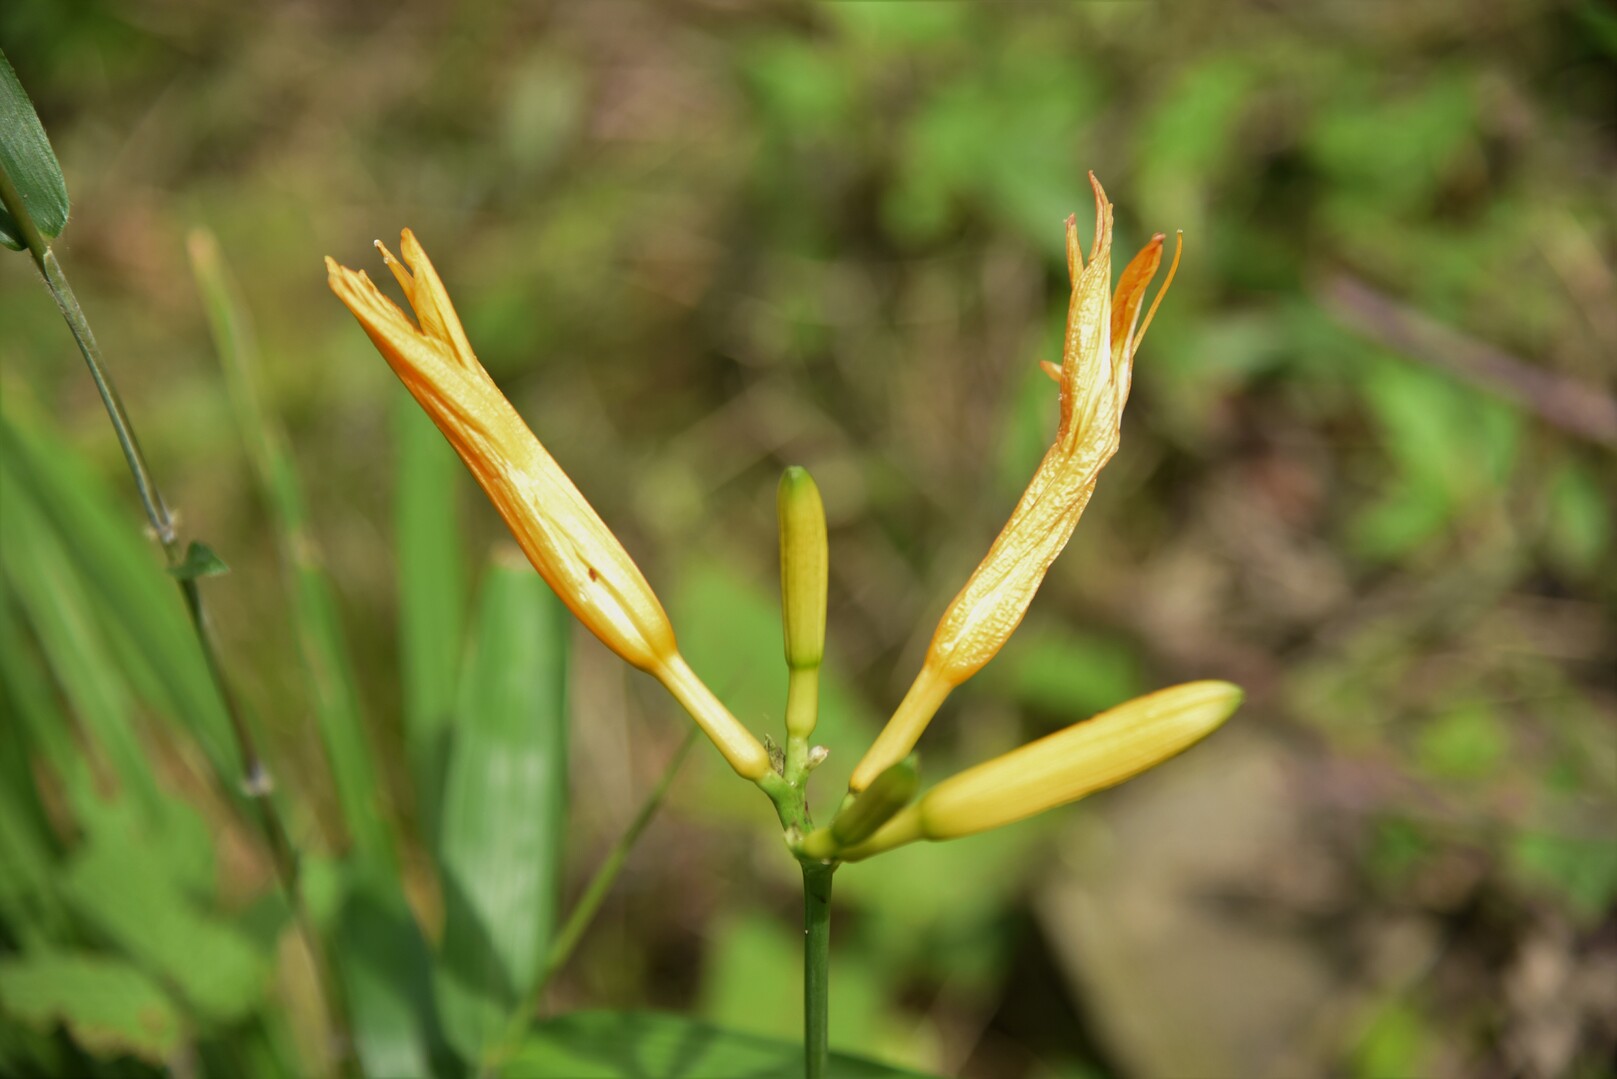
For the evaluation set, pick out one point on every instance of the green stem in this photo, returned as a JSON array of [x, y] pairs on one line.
[[816, 968], [256, 783], [62, 292], [802, 711]]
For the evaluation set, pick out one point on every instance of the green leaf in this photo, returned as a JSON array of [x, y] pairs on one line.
[[505, 806], [386, 973], [319, 628], [1581, 870], [29, 162], [1580, 519], [200, 561], [29, 906], [432, 596], [63, 617], [1397, 1041], [108, 1006], [1469, 741], [121, 889], [646, 1045], [135, 602]]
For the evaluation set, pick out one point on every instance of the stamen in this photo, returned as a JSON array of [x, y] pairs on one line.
[[1051, 369], [1173, 267]]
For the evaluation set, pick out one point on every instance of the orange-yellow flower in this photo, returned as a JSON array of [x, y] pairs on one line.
[[1096, 371], [560, 532]]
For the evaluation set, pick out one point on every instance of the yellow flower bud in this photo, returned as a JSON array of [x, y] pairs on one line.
[[1063, 767], [803, 568], [1095, 375], [558, 530]]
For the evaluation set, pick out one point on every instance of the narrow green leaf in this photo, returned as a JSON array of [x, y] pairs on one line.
[[27, 158], [319, 628], [138, 606], [108, 1006], [386, 973], [61, 614], [29, 698], [432, 597], [645, 1045], [200, 561], [505, 805], [120, 888], [28, 905]]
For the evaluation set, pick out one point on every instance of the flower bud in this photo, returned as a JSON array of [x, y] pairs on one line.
[[803, 568], [875, 806], [1063, 767]]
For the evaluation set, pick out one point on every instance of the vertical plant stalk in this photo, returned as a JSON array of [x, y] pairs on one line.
[[816, 968], [256, 783], [804, 578]]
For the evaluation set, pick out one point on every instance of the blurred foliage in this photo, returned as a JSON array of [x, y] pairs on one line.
[[698, 241]]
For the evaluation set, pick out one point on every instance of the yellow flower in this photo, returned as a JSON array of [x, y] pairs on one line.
[[1061, 768], [1095, 374], [560, 532]]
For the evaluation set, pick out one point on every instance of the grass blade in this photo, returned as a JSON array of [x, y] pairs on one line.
[[319, 630], [432, 598], [29, 164], [505, 805], [583, 912], [136, 602]]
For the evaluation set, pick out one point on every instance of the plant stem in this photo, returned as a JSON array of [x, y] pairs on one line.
[[816, 968], [256, 783], [802, 710]]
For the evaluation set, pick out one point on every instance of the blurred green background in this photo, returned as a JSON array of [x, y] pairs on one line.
[[699, 240]]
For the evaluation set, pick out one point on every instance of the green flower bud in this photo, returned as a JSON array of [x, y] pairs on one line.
[[803, 568]]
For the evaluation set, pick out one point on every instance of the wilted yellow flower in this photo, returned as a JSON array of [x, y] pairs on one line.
[[1096, 371], [1062, 767], [560, 532]]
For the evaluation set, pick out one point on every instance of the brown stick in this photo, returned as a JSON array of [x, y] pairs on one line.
[[1572, 406]]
